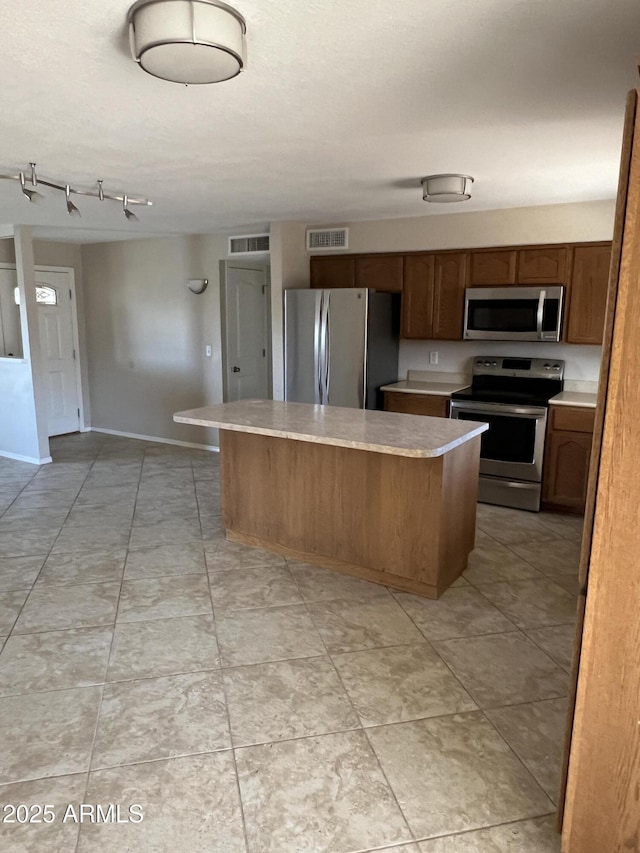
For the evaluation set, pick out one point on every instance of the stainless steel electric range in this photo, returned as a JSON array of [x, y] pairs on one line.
[[511, 395]]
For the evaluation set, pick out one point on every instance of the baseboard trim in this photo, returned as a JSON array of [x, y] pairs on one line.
[[156, 439], [32, 459]]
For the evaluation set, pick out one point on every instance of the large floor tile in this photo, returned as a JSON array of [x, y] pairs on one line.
[[504, 669], [91, 567], [490, 562], [161, 598], [21, 543], [10, 606], [512, 526], [223, 556], [317, 795], [19, 572], [31, 663], [265, 586], [285, 700], [165, 560], [562, 558], [566, 526], [165, 533], [536, 733], [47, 734], [401, 683], [367, 623], [73, 539], [557, 642], [533, 603], [466, 778], [55, 837], [161, 718], [189, 804], [258, 636], [163, 647], [51, 608], [459, 612], [528, 836], [319, 584]]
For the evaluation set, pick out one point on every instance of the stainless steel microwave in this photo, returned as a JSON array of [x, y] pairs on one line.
[[513, 313]]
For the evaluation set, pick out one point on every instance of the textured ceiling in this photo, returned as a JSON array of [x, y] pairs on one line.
[[345, 104]]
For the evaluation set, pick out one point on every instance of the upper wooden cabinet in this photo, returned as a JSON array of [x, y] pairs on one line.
[[433, 296], [543, 265], [417, 297], [332, 271], [496, 267], [449, 280], [380, 272], [587, 297]]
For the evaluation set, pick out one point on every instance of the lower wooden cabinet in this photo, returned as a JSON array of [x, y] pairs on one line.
[[433, 405], [566, 458]]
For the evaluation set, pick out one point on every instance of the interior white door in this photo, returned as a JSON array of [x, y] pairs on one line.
[[55, 320], [247, 359]]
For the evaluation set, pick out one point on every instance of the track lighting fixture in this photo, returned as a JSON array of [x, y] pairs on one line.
[[33, 195], [128, 213], [72, 210], [30, 195]]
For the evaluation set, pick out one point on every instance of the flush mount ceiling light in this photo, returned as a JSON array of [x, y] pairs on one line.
[[33, 195], [446, 188], [187, 41]]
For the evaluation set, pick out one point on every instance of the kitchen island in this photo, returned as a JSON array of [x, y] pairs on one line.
[[383, 496]]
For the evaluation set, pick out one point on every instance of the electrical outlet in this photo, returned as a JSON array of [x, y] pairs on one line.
[[433, 357], [207, 351]]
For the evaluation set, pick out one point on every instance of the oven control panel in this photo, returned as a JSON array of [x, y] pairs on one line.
[[526, 368]]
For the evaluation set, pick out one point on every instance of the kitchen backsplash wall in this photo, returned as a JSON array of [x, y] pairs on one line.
[[581, 362]]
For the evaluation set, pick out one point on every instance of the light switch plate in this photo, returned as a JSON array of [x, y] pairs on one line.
[[207, 351], [433, 358]]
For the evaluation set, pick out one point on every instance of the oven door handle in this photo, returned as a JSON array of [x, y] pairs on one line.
[[540, 315]]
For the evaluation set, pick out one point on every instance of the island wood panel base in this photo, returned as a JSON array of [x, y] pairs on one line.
[[403, 522]]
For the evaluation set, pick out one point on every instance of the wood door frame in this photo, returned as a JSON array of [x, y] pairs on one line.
[[70, 271], [250, 265]]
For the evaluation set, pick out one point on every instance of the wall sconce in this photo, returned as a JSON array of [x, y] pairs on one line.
[[197, 285]]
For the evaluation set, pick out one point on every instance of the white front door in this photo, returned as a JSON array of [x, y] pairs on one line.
[[247, 355], [53, 295]]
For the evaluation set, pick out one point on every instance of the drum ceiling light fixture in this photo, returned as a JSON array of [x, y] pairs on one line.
[[446, 188], [187, 41]]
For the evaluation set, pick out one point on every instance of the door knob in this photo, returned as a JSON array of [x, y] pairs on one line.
[[236, 370]]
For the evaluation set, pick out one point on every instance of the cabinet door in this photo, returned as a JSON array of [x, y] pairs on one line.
[[416, 404], [566, 469], [588, 294], [449, 280], [493, 268], [417, 297], [542, 266], [380, 272], [332, 271]]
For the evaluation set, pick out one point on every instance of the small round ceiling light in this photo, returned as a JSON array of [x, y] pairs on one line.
[[187, 41], [446, 188]]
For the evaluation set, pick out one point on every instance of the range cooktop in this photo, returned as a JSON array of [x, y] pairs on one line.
[[500, 379]]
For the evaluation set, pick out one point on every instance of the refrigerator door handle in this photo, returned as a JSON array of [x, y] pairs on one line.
[[327, 350], [318, 337]]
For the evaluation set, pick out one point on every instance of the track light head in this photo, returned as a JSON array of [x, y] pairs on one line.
[[128, 213], [72, 210], [30, 195]]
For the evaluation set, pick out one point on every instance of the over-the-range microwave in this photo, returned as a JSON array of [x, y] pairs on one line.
[[513, 313]]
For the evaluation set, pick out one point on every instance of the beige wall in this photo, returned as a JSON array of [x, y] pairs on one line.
[[548, 224], [147, 334]]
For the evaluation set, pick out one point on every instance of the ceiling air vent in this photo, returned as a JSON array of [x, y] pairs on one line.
[[249, 244], [327, 239]]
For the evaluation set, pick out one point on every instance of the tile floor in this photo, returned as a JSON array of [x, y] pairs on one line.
[[252, 704]]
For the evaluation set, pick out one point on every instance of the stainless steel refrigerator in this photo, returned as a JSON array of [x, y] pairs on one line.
[[341, 345]]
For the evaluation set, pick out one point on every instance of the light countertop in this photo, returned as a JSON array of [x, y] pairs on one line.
[[575, 398], [380, 432], [438, 389]]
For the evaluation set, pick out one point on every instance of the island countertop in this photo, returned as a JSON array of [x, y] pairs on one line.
[[379, 432]]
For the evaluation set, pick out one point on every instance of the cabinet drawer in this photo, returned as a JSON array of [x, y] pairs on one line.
[[416, 404], [572, 418]]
